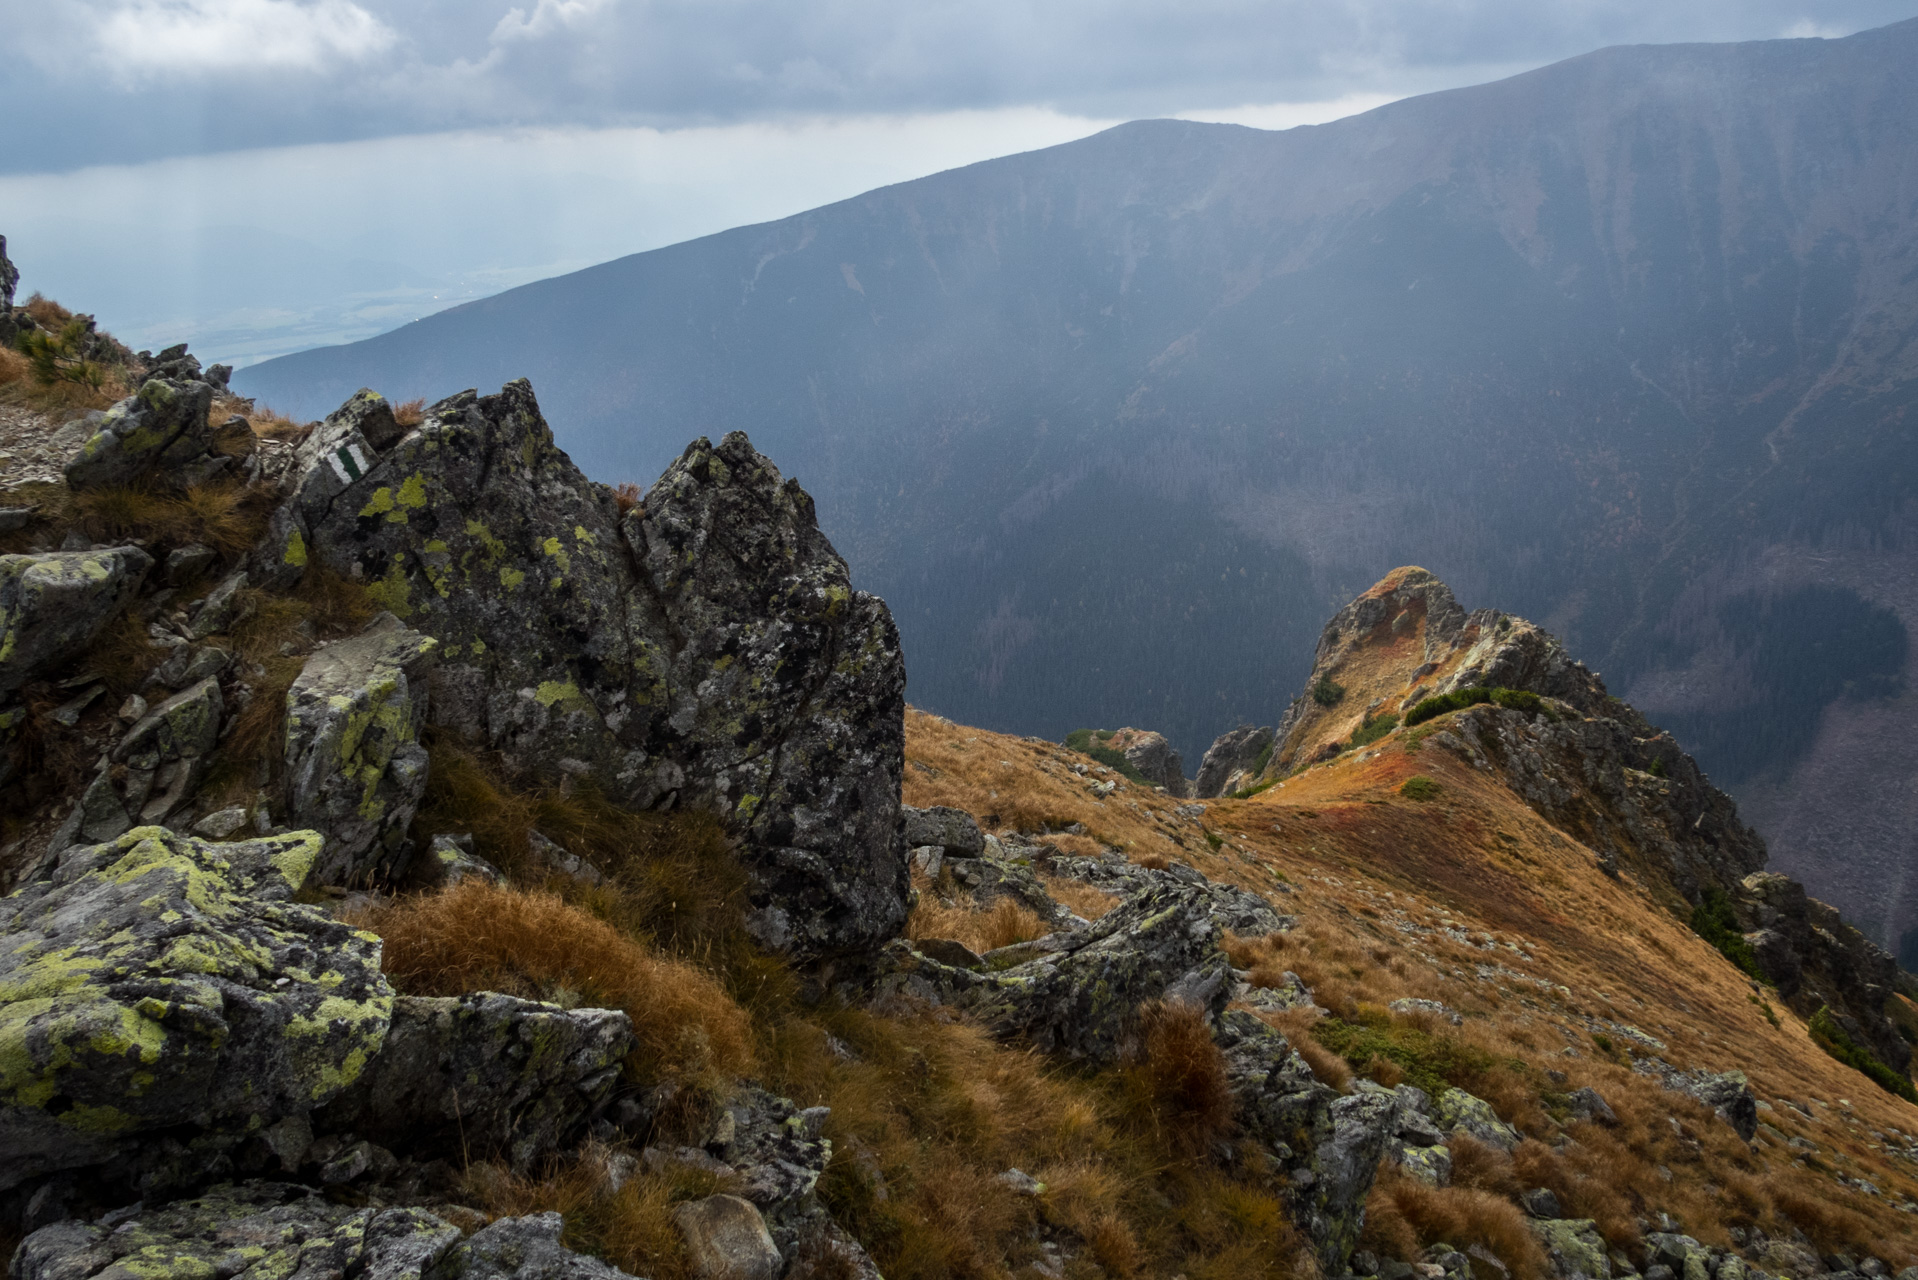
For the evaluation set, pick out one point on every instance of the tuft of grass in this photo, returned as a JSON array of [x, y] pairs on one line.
[[1404, 1216], [227, 517], [1176, 1084], [1829, 1036], [1002, 923], [1420, 787], [628, 497], [481, 937], [410, 413]]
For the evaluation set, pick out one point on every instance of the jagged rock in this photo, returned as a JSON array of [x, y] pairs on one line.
[[252, 1230], [368, 413], [355, 768], [521, 1249], [1815, 958], [563, 860], [1228, 907], [987, 878], [54, 604], [160, 427], [705, 648], [447, 863], [1081, 1001], [185, 564], [1150, 753], [483, 1075], [1458, 1110], [953, 830], [159, 982], [1291, 993], [1685, 1257], [1231, 761], [1540, 1202], [727, 1239], [173, 363], [1726, 1092], [222, 608], [1329, 1146], [1588, 1105], [948, 952], [166, 750], [190, 664], [9, 277], [1574, 1247], [1431, 1165]]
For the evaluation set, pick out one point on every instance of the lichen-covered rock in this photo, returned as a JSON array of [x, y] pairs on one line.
[[704, 648], [1232, 761], [1228, 907], [447, 862], [54, 604], [159, 981], [250, 1231], [726, 1239], [953, 830], [482, 1076], [355, 768], [1728, 1093], [1574, 1247], [1082, 1000], [167, 751], [521, 1249], [160, 427], [1328, 1146], [1459, 1110]]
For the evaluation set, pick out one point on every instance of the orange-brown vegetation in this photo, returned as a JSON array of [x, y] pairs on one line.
[[410, 413], [627, 496], [982, 929]]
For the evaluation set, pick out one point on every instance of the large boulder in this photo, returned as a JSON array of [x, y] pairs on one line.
[[705, 647], [166, 752], [257, 1230], [54, 604], [354, 764], [1231, 762], [1148, 751], [483, 1076], [953, 831], [159, 428], [158, 982], [1329, 1146]]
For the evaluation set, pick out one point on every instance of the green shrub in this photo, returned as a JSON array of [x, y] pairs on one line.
[[1658, 767], [1264, 758], [1432, 1062], [1829, 1036], [1215, 840], [1420, 787], [1712, 920], [1106, 735], [56, 357], [1079, 739], [1327, 692], [1459, 699], [1374, 728], [1116, 760]]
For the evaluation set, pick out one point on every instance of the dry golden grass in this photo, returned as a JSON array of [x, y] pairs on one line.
[[410, 413], [480, 937], [14, 368], [1079, 897], [1178, 1080], [228, 517], [628, 496], [982, 929], [1404, 1216]]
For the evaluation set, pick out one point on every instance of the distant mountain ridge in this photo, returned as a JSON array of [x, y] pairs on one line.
[[1628, 344]]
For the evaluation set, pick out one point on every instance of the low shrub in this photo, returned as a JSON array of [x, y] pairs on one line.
[[1829, 1036], [1079, 739], [1116, 761], [1429, 1060], [1264, 758], [1373, 728], [1476, 695], [1420, 787], [1712, 920], [1327, 692]]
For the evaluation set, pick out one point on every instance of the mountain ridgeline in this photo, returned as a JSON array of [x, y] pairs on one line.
[[1624, 344]]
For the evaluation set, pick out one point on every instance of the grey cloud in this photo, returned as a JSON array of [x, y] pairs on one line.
[[289, 71]]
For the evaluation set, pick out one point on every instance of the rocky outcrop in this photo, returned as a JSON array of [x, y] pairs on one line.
[[1232, 761], [705, 647], [354, 764], [159, 984], [9, 277], [483, 1076], [256, 1230], [53, 605], [152, 433], [1150, 753], [954, 832], [726, 1239]]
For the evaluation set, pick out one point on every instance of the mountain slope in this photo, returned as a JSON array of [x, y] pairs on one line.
[[1112, 425]]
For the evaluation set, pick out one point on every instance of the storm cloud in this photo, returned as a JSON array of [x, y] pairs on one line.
[[103, 81]]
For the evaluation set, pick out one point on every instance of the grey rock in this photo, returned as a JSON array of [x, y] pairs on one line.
[[726, 1239], [1458, 1110], [14, 519], [187, 564], [53, 605], [446, 864], [221, 823], [1540, 1202], [520, 1249], [1431, 1165], [166, 751], [563, 860], [1588, 1105], [354, 764], [1150, 753], [189, 664], [69, 712], [1574, 1247], [706, 648], [953, 830], [1728, 1093], [368, 413], [1228, 763], [481, 1076], [159, 428], [184, 965], [1018, 1180], [9, 277], [102, 815], [223, 607], [947, 951], [1328, 1146], [988, 878]]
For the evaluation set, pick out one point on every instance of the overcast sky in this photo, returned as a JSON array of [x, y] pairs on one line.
[[264, 174]]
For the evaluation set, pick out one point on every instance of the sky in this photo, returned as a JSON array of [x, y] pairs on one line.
[[259, 176]]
